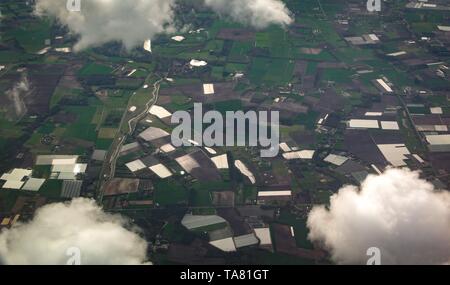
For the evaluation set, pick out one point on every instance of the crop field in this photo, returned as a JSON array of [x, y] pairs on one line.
[[95, 69], [107, 133], [169, 193], [32, 36], [200, 197], [82, 128], [321, 72], [337, 75], [271, 71], [8, 131], [300, 229]]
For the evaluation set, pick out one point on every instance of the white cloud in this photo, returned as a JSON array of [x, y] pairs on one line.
[[256, 13], [102, 21], [132, 22], [102, 238], [401, 214]]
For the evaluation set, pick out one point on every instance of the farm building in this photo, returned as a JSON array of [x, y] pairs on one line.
[[274, 196]]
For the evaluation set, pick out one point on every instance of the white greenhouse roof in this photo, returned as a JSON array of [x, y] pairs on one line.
[[336, 159], [245, 240], [135, 165], [390, 125], [436, 110], [438, 139], [161, 171], [195, 221], [285, 147], [152, 134], [208, 89], [56, 159], [167, 148], [187, 162], [263, 234], [396, 154], [302, 154], [226, 245], [33, 184], [221, 161], [373, 114], [16, 174], [274, 193], [160, 112], [12, 184], [363, 124], [385, 85]]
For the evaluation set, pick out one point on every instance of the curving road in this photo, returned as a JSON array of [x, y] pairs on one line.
[[109, 166]]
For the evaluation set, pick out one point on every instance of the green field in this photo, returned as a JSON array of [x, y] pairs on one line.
[[271, 71], [170, 192], [83, 127], [300, 229], [95, 69], [200, 195], [51, 189], [337, 75], [32, 36]]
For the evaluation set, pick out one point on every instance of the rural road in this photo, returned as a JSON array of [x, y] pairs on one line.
[[109, 166]]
